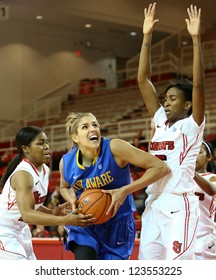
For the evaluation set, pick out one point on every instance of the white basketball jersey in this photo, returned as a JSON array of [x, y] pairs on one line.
[[9, 211], [207, 205], [178, 146]]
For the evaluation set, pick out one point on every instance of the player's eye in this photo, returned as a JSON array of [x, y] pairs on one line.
[[84, 126], [95, 124]]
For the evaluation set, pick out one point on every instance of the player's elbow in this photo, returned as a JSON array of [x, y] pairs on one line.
[[143, 80], [164, 169], [27, 216]]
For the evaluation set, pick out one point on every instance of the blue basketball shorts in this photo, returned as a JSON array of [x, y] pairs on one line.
[[113, 240]]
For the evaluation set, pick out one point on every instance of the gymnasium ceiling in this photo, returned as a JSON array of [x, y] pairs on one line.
[[111, 20]]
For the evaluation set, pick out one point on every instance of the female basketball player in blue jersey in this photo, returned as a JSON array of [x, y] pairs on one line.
[[97, 162], [170, 219]]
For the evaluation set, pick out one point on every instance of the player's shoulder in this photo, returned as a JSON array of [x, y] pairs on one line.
[[24, 165], [213, 178], [209, 176], [70, 154]]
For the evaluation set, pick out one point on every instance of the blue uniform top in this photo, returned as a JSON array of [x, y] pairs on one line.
[[104, 173]]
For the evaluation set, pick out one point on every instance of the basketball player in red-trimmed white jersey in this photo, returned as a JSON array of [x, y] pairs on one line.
[[171, 215], [25, 186], [206, 191]]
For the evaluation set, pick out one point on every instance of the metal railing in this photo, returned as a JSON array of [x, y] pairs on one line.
[[165, 59]]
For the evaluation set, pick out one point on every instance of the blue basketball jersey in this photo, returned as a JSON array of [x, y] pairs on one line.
[[104, 173]]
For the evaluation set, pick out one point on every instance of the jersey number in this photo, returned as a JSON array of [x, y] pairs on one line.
[[162, 157], [200, 195]]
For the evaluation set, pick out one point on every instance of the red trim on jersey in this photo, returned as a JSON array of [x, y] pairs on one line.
[[185, 151], [187, 219], [1, 245], [34, 168], [10, 204], [211, 207], [206, 174], [14, 253], [187, 245]]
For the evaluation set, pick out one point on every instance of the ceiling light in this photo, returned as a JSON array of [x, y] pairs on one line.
[[88, 25], [133, 33], [88, 44], [39, 17], [184, 43]]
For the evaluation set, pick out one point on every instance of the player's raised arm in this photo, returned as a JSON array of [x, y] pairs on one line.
[[198, 98], [146, 87]]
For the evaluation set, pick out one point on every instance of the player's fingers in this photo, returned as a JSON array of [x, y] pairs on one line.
[[106, 191], [145, 12], [87, 220], [89, 216], [109, 209], [114, 211]]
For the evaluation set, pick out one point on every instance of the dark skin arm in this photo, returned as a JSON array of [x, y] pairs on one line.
[[146, 87], [207, 186], [66, 191], [198, 95], [22, 182]]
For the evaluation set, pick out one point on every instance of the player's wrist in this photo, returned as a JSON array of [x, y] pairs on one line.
[[196, 39]]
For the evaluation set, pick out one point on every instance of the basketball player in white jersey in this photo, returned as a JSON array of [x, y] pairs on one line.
[[206, 191], [171, 214], [25, 186]]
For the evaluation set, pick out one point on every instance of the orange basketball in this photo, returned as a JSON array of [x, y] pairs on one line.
[[95, 202]]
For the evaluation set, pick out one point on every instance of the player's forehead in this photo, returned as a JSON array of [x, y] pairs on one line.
[[40, 137], [86, 120], [174, 92]]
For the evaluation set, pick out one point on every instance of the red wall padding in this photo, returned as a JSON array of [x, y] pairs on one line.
[[53, 249]]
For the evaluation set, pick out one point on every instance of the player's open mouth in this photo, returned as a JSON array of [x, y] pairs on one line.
[[93, 138]]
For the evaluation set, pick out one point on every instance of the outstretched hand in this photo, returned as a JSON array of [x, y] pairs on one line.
[[193, 23], [77, 219], [149, 19], [63, 209], [73, 217]]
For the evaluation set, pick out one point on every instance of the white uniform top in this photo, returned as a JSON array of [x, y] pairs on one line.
[[178, 146], [15, 234], [207, 204], [205, 248], [10, 215]]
